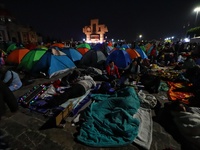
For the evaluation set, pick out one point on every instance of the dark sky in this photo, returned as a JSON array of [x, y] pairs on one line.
[[125, 19]]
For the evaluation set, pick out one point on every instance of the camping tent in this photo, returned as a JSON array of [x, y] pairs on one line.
[[72, 53], [83, 48], [16, 55], [93, 58], [60, 45], [30, 59], [52, 63], [120, 57], [11, 47], [133, 53], [84, 45], [143, 55]]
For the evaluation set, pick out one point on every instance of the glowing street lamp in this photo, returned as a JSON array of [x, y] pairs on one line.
[[140, 36], [197, 10]]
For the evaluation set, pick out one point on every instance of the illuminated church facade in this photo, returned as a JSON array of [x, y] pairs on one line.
[[95, 32]]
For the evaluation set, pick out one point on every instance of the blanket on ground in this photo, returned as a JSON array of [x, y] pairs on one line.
[[109, 120], [144, 137], [188, 124]]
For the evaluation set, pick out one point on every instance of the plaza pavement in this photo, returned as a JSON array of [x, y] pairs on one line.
[[21, 130]]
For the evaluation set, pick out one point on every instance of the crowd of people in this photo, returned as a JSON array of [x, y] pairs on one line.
[[180, 56]]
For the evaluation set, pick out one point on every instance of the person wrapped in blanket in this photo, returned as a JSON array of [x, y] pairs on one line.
[[79, 85]]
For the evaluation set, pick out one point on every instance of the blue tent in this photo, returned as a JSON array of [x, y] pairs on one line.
[[143, 55], [98, 46], [72, 53], [52, 64], [121, 58], [125, 46]]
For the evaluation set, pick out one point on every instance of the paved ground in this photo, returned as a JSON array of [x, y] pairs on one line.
[[21, 131]]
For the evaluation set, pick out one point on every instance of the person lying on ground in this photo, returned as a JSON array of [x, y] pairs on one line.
[[78, 87], [10, 78], [73, 75]]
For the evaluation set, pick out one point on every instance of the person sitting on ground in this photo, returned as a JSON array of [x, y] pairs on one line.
[[133, 70], [10, 78], [181, 58], [112, 71]]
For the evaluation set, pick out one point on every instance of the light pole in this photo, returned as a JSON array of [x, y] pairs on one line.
[[197, 9]]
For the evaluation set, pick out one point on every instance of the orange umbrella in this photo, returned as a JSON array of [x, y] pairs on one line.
[[16, 55], [133, 53], [60, 45]]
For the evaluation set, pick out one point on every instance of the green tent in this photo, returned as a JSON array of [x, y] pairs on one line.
[[31, 58], [84, 45], [11, 47]]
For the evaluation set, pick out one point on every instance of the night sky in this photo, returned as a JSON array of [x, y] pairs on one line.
[[125, 19]]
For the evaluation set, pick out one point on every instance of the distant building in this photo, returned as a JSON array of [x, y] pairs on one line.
[[95, 32], [11, 30]]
